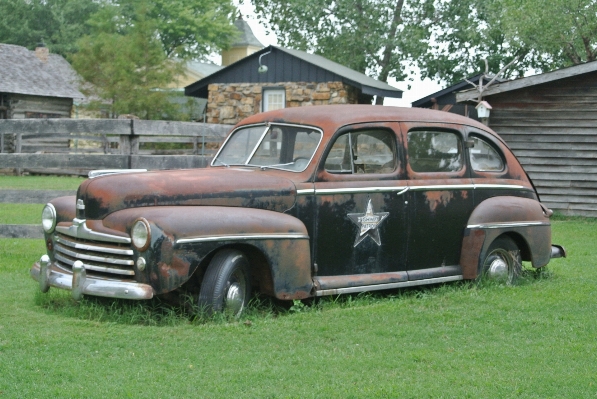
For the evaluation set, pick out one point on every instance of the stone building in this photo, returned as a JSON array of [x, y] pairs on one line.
[[276, 77]]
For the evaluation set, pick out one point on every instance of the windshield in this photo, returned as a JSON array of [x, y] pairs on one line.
[[276, 146]]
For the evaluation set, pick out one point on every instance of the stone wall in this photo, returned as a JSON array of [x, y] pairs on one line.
[[230, 103]]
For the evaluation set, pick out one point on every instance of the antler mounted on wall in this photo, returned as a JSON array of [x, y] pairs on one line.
[[480, 87]]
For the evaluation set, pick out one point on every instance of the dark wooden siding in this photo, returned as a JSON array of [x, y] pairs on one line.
[[25, 107], [552, 129]]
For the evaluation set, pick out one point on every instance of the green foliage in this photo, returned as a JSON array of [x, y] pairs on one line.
[[193, 28], [563, 30], [125, 68], [370, 36], [543, 36], [128, 57], [58, 23], [446, 40]]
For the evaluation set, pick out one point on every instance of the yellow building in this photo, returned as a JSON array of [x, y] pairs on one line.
[[245, 44]]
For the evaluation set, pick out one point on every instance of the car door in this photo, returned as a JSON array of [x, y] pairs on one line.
[[360, 221], [440, 198]]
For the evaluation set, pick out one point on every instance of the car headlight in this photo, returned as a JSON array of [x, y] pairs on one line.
[[141, 234], [48, 218]]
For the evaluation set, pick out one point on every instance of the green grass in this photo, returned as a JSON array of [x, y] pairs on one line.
[[534, 340], [40, 182], [20, 213]]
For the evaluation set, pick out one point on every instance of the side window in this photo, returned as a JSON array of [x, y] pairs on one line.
[[363, 151], [434, 151], [484, 158]]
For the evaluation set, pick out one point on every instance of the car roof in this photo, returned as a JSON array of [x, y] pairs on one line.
[[335, 116]]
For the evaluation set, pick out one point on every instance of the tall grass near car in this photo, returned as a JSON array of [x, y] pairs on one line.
[[534, 340]]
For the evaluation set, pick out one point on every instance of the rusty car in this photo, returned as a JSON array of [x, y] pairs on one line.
[[305, 202]]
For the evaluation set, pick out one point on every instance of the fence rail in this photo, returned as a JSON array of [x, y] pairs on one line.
[[83, 144]]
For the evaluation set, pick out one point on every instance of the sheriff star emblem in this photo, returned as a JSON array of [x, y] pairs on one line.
[[368, 223]]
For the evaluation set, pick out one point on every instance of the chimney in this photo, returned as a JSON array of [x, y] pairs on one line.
[[42, 52]]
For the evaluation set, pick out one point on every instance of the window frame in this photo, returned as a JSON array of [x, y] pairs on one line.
[[462, 150], [270, 90], [391, 129]]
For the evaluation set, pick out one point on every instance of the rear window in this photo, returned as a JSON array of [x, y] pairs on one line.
[[485, 158], [434, 151]]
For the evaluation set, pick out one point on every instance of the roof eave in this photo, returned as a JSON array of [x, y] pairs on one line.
[[473, 95]]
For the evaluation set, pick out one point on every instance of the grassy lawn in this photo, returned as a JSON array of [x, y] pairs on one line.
[[40, 182], [535, 340], [20, 213]]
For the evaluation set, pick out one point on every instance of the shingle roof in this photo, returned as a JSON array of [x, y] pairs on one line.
[[367, 84], [287, 65], [245, 35], [23, 73], [528, 81]]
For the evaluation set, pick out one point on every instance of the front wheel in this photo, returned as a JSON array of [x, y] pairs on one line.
[[503, 262], [226, 286]]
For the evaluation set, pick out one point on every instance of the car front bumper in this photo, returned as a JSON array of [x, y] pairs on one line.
[[50, 275]]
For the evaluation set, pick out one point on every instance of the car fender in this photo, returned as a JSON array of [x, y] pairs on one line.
[[182, 237], [525, 220]]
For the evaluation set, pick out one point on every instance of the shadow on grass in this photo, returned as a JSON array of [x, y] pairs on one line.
[[161, 311]]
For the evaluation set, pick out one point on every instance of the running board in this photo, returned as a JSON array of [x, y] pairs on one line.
[[388, 286]]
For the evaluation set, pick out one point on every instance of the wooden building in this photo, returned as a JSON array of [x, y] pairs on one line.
[[550, 122], [35, 84], [277, 77], [445, 100]]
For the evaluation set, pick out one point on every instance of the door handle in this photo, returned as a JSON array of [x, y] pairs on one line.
[[403, 191]]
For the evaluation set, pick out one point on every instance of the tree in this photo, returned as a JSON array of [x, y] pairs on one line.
[[541, 36], [565, 31], [371, 36], [446, 40], [57, 23], [125, 63], [129, 56]]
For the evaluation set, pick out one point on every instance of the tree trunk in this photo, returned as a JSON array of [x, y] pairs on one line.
[[390, 47]]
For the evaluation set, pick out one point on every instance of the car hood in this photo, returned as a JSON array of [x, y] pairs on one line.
[[252, 188]]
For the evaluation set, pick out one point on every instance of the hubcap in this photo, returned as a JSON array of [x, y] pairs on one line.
[[235, 297], [498, 269]]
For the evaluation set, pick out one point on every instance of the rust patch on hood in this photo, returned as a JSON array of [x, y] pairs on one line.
[[217, 186]]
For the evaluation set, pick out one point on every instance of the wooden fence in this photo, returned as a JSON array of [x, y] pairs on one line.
[[75, 146]]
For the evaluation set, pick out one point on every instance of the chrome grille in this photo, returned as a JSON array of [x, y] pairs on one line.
[[101, 257]]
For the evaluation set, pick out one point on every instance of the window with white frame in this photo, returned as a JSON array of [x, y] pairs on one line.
[[273, 99]]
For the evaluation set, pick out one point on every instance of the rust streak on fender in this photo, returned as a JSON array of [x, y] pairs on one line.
[[471, 249]]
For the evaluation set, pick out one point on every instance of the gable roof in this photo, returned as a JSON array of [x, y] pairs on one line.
[[24, 73], [521, 83], [286, 65], [202, 69]]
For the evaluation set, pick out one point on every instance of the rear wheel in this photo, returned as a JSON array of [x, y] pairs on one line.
[[503, 262], [226, 286]]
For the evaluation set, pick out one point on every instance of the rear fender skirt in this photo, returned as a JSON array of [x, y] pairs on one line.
[[523, 219]]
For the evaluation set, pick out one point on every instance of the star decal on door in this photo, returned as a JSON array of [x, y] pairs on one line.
[[368, 223]]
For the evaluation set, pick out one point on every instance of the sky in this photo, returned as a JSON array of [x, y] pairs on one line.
[[418, 89]]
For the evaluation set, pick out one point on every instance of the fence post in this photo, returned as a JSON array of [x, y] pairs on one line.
[[18, 148]]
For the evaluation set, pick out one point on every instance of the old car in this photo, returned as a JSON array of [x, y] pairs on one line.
[[305, 202]]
